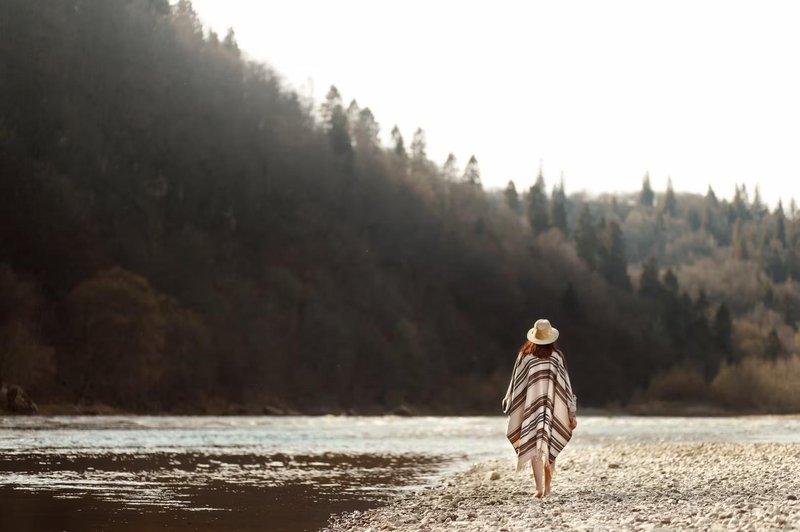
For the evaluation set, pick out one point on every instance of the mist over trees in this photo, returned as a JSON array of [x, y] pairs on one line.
[[178, 231]]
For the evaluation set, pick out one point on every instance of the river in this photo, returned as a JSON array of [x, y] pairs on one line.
[[125, 473]]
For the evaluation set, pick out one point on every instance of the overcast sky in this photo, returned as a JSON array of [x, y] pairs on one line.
[[704, 92]]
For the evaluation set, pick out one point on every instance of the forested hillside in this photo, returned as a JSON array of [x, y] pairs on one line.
[[179, 231]]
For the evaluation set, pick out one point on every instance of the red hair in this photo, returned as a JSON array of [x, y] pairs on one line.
[[541, 351]]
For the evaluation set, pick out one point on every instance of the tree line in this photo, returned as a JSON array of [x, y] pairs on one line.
[[180, 232]]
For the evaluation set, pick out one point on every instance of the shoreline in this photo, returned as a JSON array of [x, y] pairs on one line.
[[623, 486], [654, 409]]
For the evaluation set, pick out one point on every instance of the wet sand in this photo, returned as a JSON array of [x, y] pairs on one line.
[[618, 486]]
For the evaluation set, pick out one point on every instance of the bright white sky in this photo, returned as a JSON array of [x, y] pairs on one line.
[[705, 92]]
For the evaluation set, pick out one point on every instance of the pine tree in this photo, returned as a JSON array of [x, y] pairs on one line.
[[615, 264], [711, 198], [649, 285], [512, 198], [739, 207], [450, 168], [364, 130], [419, 146], [780, 224], [710, 213], [399, 143], [558, 209], [739, 249], [670, 203], [757, 206], [327, 109], [586, 243], [537, 206], [670, 282], [335, 123], [230, 43], [646, 196], [352, 115], [185, 13], [472, 174]]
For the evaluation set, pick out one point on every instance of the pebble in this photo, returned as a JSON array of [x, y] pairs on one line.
[[715, 494]]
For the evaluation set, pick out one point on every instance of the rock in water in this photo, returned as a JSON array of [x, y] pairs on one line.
[[13, 399]]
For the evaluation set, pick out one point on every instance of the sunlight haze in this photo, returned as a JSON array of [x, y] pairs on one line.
[[703, 92]]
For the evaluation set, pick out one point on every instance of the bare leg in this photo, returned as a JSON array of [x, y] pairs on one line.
[[537, 465], [548, 478]]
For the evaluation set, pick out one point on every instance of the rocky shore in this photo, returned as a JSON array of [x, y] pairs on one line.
[[666, 486]]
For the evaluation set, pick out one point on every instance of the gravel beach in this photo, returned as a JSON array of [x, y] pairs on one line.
[[664, 486]]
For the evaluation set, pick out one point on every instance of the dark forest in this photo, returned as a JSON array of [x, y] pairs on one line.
[[180, 232]]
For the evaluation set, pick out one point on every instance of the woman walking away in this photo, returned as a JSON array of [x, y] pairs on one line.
[[540, 405]]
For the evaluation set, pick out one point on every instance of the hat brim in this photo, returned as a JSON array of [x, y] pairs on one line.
[[552, 337]]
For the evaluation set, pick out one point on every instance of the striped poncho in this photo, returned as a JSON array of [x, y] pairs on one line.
[[539, 403]]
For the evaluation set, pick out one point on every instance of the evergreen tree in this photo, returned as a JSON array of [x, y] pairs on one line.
[[537, 206], [646, 196], [739, 249], [230, 44], [185, 13], [739, 209], [558, 208], [472, 174], [670, 203], [419, 146], [368, 128], [512, 198], [780, 224], [352, 114], [399, 144], [649, 285], [450, 169], [670, 282], [335, 123], [757, 206], [615, 268], [711, 197], [710, 212], [586, 243]]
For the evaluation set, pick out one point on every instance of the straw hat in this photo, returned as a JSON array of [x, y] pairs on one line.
[[543, 333]]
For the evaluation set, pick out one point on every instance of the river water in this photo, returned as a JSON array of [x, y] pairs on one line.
[[271, 473]]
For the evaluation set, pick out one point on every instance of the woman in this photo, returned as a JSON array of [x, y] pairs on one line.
[[540, 405]]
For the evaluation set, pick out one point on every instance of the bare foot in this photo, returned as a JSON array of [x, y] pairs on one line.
[[538, 494], [548, 478]]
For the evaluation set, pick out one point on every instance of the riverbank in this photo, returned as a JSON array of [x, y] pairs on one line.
[[653, 408], [618, 486]]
